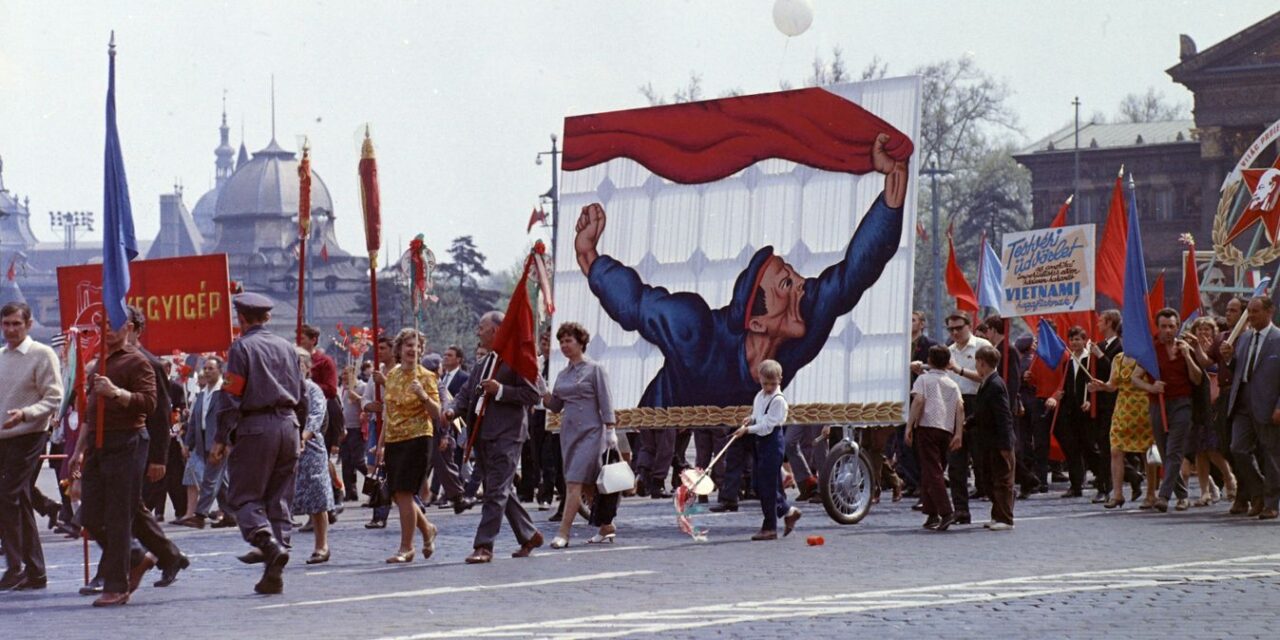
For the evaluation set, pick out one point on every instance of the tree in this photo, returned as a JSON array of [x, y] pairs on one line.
[[1150, 107], [467, 264], [691, 92]]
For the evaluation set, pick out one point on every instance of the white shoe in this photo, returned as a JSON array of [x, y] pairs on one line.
[[987, 524], [1182, 505], [559, 543], [999, 526], [607, 538]]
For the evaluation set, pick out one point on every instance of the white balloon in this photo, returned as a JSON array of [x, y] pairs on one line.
[[792, 17]]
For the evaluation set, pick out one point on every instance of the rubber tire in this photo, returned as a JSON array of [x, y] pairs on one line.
[[837, 454]]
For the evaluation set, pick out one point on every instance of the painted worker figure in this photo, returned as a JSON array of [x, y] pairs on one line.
[[712, 354], [261, 404]]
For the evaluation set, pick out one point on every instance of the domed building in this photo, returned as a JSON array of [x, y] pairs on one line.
[[251, 214]]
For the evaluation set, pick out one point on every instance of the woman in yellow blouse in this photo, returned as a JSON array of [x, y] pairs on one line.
[[411, 401]]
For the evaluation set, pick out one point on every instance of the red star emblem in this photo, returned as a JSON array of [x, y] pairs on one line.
[[1264, 202]]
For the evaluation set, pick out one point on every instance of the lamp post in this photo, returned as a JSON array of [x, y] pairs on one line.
[[933, 172], [70, 222], [1075, 180], [554, 196]]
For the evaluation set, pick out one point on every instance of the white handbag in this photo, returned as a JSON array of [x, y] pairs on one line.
[[1153, 456], [615, 476]]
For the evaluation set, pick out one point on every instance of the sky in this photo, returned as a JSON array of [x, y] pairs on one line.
[[460, 96]]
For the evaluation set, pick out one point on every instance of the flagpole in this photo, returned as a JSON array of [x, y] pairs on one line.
[[371, 206], [304, 230]]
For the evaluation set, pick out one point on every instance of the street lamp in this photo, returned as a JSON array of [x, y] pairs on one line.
[[553, 195], [70, 222], [933, 172]]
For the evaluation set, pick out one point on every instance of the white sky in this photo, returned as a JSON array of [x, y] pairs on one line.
[[461, 95]]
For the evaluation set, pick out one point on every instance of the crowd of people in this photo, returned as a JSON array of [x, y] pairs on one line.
[[277, 431]]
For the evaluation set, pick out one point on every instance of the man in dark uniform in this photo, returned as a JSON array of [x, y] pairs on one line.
[[262, 402], [498, 443]]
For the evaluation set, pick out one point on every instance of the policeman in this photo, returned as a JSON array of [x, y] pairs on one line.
[[262, 404]]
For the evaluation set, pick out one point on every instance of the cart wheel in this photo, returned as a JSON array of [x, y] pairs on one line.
[[845, 484]]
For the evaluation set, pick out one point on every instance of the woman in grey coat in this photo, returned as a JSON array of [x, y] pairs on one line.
[[581, 396]]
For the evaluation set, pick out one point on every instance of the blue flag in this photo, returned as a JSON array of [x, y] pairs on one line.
[[1261, 289], [990, 281], [1137, 341], [1049, 345], [119, 245]]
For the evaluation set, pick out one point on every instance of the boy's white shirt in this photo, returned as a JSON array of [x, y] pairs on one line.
[[765, 417]]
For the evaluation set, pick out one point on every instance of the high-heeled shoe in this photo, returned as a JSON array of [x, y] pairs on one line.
[[429, 541], [318, 557], [1114, 502], [559, 543], [403, 557], [606, 538]]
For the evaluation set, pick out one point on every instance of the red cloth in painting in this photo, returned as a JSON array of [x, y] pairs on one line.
[[699, 142]]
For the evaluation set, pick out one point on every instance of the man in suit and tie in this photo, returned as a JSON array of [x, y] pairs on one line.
[[1254, 408], [505, 398], [201, 428], [452, 381], [1075, 420], [992, 424]]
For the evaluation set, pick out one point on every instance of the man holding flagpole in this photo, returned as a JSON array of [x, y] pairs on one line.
[[1171, 423]]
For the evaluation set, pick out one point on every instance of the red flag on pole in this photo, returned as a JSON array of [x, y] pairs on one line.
[[514, 342], [1060, 220], [1191, 301], [536, 216], [324, 251], [1113, 244], [957, 285], [1155, 300], [13, 273], [304, 230]]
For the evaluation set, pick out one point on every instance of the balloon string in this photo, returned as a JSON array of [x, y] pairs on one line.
[[782, 59]]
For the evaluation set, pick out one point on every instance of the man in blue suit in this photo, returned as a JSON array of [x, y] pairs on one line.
[[1254, 408], [201, 428]]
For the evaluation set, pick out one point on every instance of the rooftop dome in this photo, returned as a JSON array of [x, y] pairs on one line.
[[205, 209], [267, 186]]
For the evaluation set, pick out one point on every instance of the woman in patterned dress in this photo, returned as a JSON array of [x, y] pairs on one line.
[[1130, 429], [312, 494], [411, 401]]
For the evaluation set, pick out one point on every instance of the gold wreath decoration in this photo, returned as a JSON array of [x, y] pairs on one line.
[[1228, 253], [883, 413]]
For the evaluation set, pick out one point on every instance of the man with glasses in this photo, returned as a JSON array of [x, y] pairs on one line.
[[963, 369]]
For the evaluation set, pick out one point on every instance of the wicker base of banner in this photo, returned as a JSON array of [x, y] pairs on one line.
[[708, 417]]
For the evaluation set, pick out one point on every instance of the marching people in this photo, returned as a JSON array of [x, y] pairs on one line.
[[1130, 429], [312, 496], [963, 371], [325, 374], [261, 405], [30, 393], [495, 404], [1170, 396], [375, 411], [1104, 354], [1075, 417], [1205, 445], [202, 427], [107, 479], [445, 454], [935, 427], [411, 401], [351, 451], [1254, 408], [581, 397], [764, 425], [993, 444]]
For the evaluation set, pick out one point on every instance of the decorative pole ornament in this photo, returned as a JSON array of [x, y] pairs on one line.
[[371, 208], [304, 230], [1250, 198]]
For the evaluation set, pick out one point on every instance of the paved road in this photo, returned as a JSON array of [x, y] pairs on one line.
[[1068, 569]]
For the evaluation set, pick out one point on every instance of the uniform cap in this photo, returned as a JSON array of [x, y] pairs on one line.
[[253, 302]]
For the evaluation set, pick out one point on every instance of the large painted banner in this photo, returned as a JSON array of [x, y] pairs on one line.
[[186, 301], [701, 239], [1048, 271]]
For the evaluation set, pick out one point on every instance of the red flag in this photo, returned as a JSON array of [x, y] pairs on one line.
[[324, 251], [1155, 300], [536, 216], [1060, 220], [370, 201], [957, 285], [515, 342], [1191, 301], [13, 263], [1112, 246]]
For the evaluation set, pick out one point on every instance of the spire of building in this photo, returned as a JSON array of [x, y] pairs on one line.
[[224, 152], [243, 156]]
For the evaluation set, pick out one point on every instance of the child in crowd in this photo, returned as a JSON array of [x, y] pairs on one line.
[[764, 426]]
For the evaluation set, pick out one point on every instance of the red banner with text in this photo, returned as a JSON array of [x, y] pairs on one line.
[[186, 301]]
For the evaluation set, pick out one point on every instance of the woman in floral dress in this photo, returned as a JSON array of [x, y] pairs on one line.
[[1130, 429], [312, 493]]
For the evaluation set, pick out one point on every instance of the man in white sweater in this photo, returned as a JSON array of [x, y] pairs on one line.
[[30, 391]]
